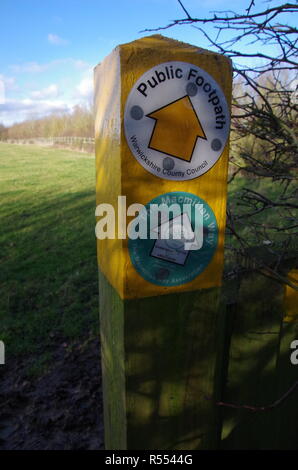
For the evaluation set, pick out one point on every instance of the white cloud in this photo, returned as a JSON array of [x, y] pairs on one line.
[[80, 64], [56, 95], [35, 67], [9, 82], [6, 84], [57, 40], [19, 110], [29, 67], [85, 87], [49, 92], [2, 92]]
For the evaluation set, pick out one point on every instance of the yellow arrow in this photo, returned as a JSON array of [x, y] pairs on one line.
[[176, 129]]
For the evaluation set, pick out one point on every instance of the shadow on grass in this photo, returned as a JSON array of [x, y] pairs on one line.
[[256, 370], [49, 281]]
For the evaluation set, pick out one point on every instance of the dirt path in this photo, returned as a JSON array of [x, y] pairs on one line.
[[60, 410]]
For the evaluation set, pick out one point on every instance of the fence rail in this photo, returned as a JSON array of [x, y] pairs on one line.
[[82, 143], [49, 140]]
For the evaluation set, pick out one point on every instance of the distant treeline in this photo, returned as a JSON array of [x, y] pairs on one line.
[[80, 122]]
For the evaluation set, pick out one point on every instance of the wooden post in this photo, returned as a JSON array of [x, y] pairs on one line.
[[161, 136]]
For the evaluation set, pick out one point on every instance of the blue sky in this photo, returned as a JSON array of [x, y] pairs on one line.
[[49, 47]]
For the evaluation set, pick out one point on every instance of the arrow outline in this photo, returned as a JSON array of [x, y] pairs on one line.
[[156, 121], [166, 260]]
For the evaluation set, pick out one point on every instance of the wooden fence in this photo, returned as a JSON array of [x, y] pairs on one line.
[[84, 144]]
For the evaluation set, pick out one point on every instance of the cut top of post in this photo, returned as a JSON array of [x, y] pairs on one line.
[[162, 118]]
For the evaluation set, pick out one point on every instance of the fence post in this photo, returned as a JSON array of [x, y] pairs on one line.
[[161, 136]]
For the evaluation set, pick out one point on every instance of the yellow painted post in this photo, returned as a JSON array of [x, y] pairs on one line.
[[161, 137]]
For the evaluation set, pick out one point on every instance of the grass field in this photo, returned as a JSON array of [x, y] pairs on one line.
[[48, 271], [48, 278]]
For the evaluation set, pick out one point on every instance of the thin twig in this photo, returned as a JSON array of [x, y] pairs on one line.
[[257, 408]]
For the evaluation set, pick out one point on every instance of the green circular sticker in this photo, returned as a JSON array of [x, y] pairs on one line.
[[177, 241]]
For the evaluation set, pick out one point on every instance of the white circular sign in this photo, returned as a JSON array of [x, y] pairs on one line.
[[176, 121]]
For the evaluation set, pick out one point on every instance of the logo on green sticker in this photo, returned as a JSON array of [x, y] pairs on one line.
[[177, 249]]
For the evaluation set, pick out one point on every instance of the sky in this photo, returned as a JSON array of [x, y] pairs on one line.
[[50, 47]]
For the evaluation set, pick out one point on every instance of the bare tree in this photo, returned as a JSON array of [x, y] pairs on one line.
[[262, 214], [79, 122], [3, 131]]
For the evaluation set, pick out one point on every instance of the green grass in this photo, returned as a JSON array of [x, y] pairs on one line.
[[48, 278]]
